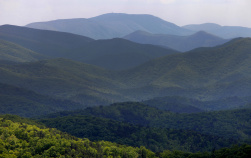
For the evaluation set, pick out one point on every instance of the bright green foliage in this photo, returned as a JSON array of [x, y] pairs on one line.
[[24, 140]]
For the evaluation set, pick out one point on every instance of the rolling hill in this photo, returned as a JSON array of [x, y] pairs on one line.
[[226, 32], [204, 74], [63, 78], [119, 54], [212, 73], [180, 43], [112, 25], [16, 53], [115, 54], [21, 139], [49, 43]]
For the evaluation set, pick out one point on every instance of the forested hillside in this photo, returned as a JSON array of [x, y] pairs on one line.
[[26, 103], [24, 140], [155, 139], [19, 139], [234, 124], [204, 73], [123, 86]]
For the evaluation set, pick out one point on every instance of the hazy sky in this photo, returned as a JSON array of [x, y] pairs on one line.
[[180, 12]]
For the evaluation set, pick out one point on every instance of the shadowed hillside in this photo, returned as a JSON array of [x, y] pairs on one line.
[[22, 102], [115, 54]]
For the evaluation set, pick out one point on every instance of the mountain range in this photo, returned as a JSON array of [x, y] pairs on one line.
[[115, 54], [112, 25], [159, 85], [204, 73], [217, 72], [180, 43]]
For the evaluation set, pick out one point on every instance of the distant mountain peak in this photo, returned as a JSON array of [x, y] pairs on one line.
[[203, 27], [204, 34], [111, 25]]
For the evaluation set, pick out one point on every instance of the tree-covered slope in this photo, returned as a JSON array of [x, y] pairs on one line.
[[233, 124], [79, 82], [155, 139], [119, 54], [216, 72], [13, 52], [23, 138], [22, 102], [112, 25], [19, 139], [204, 74], [180, 43]]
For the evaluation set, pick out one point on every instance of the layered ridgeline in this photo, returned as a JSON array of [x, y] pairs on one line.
[[66, 79], [209, 73], [50, 43], [24, 138], [115, 54], [180, 43], [112, 25], [204, 74], [221, 31], [180, 104]]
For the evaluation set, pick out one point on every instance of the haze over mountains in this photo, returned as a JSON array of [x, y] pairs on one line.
[[163, 86], [114, 25], [208, 73], [226, 32], [180, 43], [115, 54]]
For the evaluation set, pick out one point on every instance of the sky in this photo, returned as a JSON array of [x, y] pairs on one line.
[[179, 12]]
